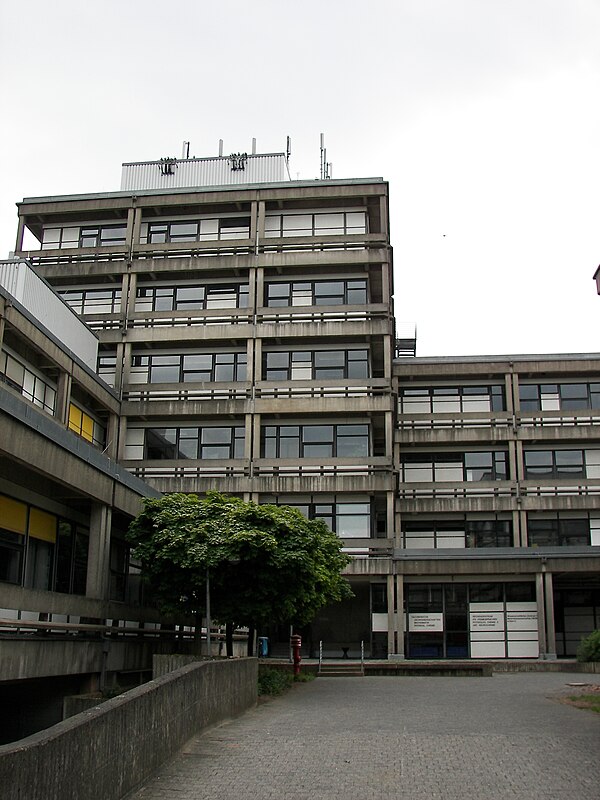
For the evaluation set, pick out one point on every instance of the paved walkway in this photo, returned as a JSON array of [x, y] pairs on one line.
[[409, 738]]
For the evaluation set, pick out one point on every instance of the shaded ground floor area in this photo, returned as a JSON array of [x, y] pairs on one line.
[[379, 737], [458, 617]]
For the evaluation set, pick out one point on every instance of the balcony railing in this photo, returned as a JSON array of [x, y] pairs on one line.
[[416, 491], [188, 469], [324, 466], [373, 387], [187, 391], [196, 317], [583, 418], [413, 422], [297, 314]]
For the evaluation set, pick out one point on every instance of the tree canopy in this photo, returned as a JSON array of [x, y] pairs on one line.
[[266, 563]]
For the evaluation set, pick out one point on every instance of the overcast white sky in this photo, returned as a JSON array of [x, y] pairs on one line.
[[484, 116]]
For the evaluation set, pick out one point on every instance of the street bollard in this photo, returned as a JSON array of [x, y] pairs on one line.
[[296, 643]]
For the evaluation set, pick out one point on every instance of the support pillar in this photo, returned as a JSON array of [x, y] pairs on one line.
[[391, 617], [399, 654], [541, 612], [63, 396], [98, 570], [550, 625]]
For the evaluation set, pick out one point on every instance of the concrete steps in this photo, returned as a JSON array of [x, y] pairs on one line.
[[349, 669]]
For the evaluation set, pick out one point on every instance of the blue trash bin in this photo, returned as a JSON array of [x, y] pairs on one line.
[[263, 646]]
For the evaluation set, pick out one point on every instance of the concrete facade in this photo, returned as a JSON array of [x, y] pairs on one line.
[[248, 334]]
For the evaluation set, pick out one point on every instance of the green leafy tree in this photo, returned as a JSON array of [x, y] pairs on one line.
[[266, 564]]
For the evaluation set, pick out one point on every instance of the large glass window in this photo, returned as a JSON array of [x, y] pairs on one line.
[[316, 365], [186, 298], [559, 396], [83, 424], [452, 399], [315, 441], [20, 376], [334, 223], [457, 467], [210, 442], [458, 532], [197, 230], [189, 367], [93, 301], [554, 464], [317, 293], [349, 517], [86, 236], [557, 530]]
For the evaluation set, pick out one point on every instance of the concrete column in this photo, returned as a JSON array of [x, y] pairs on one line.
[[97, 583], [390, 517], [400, 616], [122, 438], [137, 224], [253, 421], [260, 220], [389, 434], [125, 349], [541, 612], [258, 356], [388, 355], [254, 220], [130, 226], [250, 368], [383, 216], [20, 234], [112, 436], [386, 289], [522, 529], [63, 396], [129, 289], [259, 299], [550, 623], [392, 632]]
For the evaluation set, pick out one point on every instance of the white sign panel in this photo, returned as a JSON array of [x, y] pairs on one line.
[[487, 621], [521, 620], [425, 623]]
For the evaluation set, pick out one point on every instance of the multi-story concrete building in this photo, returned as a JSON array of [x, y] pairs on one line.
[[246, 324]]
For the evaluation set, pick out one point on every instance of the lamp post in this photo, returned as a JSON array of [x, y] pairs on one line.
[[208, 621]]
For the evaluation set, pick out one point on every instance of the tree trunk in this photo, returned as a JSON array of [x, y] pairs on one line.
[[251, 638], [229, 638]]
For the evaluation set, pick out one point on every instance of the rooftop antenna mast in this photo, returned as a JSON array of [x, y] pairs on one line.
[[325, 165]]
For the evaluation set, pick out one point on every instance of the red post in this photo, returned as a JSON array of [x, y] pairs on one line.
[[296, 643]]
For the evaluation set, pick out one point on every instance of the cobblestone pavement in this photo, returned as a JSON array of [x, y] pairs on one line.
[[401, 738]]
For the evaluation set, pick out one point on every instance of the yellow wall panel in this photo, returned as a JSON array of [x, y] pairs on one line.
[[13, 515]]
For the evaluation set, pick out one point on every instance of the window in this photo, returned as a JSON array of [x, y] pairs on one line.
[[559, 396], [210, 442], [554, 464], [84, 425], [456, 467], [316, 365], [349, 517], [317, 293], [189, 368], [93, 301], [39, 550], [334, 223], [558, 531], [107, 368], [457, 533], [196, 230], [452, 399], [85, 236], [18, 375], [315, 441], [187, 298]]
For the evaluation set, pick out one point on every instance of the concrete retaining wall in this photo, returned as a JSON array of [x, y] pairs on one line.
[[103, 753]]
